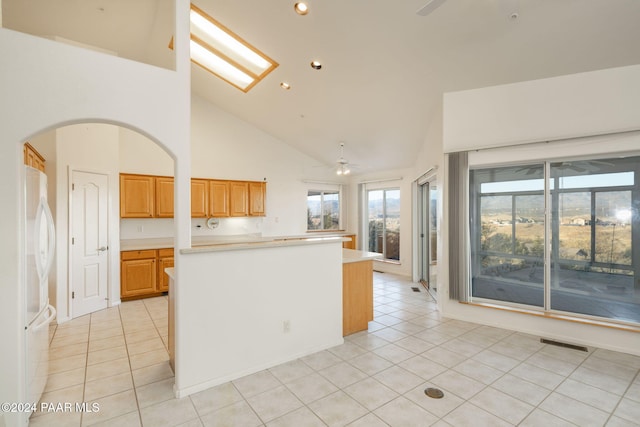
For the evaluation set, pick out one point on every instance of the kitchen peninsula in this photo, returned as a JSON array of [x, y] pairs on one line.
[[244, 306]]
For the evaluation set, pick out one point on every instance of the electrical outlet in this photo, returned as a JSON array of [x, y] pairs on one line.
[[286, 326]]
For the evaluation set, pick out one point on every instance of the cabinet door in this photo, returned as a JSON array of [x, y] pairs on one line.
[[218, 198], [164, 197], [199, 198], [350, 244], [257, 195], [137, 196], [165, 260], [238, 198], [33, 158], [137, 277]]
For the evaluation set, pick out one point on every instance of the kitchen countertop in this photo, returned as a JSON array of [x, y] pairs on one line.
[[261, 243], [198, 242], [352, 255]]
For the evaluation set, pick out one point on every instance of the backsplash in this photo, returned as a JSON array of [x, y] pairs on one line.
[[150, 228]]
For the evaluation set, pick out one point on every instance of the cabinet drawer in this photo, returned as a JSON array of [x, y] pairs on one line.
[[126, 255], [167, 252]]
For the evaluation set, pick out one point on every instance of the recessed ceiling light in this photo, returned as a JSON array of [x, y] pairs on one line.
[[285, 85], [301, 8], [316, 65]]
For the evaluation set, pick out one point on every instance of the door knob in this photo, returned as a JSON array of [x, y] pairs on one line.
[[102, 248]]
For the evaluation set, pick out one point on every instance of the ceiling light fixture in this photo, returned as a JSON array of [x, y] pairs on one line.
[[301, 8], [316, 65], [222, 52], [285, 85]]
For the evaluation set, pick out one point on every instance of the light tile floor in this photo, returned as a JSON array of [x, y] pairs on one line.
[[490, 377]]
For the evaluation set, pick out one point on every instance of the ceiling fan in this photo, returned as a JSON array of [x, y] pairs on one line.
[[342, 164]]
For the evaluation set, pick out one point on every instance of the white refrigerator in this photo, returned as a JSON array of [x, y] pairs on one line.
[[39, 253]]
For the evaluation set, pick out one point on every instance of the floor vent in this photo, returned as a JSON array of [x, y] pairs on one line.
[[414, 289], [564, 344], [434, 393]]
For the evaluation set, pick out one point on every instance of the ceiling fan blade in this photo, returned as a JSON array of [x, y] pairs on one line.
[[429, 7]]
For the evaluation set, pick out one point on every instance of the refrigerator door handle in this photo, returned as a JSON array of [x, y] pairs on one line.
[[52, 315], [44, 211], [52, 236]]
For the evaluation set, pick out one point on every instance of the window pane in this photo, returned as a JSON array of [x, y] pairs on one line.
[[323, 210], [593, 266], [375, 207], [496, 213], [392, 224], [574, 213], [314, 211], [507, 234], [331, 211]]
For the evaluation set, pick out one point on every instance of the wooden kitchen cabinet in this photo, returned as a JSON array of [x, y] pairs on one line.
[[164, 197], [148, 196], [138, 273], [199, 198], [238, 198], [165, 260], [357, 296], [137, 196], [351, 244], [142, 272], [257, 195], [33, 158], [218, 198]]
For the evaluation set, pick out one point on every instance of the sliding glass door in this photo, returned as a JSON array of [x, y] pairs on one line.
[[591, 229], [383, 213]]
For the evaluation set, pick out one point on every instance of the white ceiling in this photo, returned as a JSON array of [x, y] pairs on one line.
[[385, 68]]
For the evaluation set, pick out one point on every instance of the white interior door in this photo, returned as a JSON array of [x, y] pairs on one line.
[[89, 242]]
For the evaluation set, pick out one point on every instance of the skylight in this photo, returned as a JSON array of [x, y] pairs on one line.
[[222, 52]]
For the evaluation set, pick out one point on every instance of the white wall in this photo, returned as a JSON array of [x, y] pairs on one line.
[[539, 111], [239, 302], [45, 85], [571, 106]]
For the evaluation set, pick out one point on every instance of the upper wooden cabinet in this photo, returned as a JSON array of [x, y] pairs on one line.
[[257, 193], [137, 196], [199, 198], [238, 198], [218, 198], [33, 158], [164, 197], [146, 196]]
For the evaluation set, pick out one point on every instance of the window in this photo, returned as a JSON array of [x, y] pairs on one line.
[[323, 210], [383, 213], [592, 264]]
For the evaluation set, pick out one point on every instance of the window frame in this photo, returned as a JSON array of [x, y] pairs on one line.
[[322, 213], [384, 190], [552, 236]]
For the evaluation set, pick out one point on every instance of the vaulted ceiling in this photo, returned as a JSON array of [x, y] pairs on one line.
[[385, 68]]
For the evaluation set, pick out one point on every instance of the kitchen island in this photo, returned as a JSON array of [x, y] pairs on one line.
[[357, 290], [242, 307]]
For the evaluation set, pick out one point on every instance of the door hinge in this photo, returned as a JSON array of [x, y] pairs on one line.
[[73, 187], [73, 295], [73, 240]]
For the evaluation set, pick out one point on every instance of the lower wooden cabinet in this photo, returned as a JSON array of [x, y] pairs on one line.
[[350, 244], [142, 273], [165, 260], [357, 296]]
